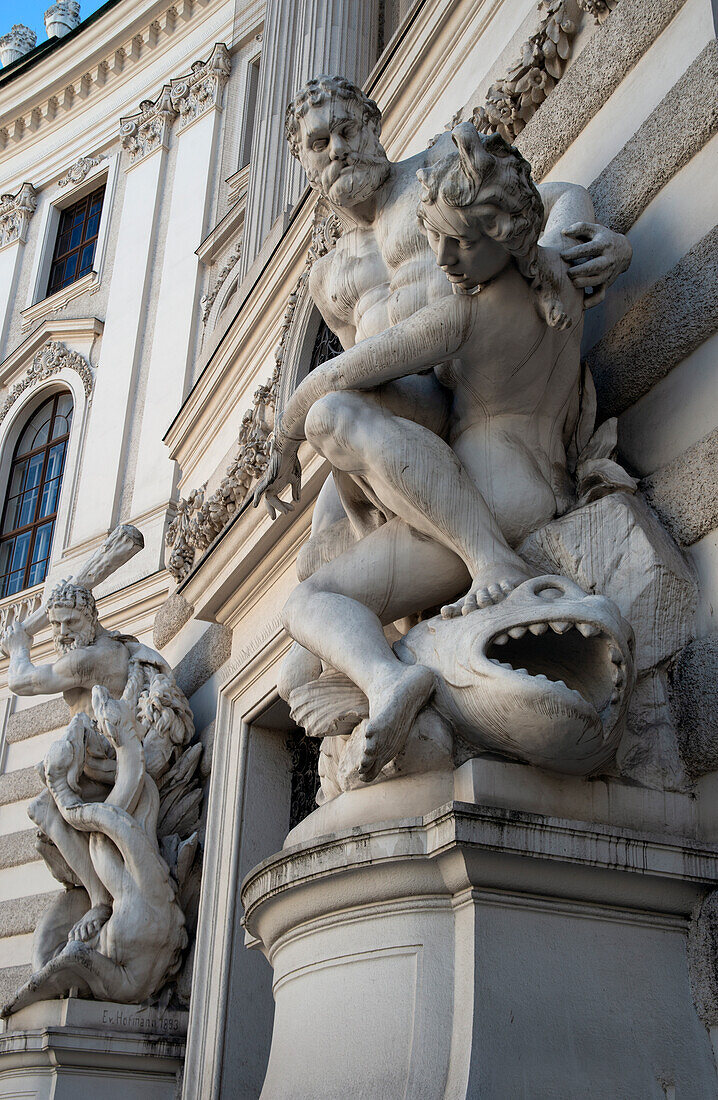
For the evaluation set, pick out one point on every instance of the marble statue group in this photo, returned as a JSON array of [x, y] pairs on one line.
[[457, 423], [454, 423], [116, 819]]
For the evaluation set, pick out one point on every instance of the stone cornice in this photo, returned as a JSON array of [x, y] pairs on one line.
[[15, 213], [83, 330], [96, 60]]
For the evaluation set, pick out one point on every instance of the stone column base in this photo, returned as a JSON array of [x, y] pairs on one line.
[[483, 952], [69, 1049]]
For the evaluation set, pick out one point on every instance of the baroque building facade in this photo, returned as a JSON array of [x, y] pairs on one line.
[[160, 292]]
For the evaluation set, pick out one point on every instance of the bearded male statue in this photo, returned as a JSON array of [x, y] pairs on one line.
[[381, 275], [118, 931]]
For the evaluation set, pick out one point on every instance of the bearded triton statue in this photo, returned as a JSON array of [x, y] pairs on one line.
[[117, 818], [458, 424]]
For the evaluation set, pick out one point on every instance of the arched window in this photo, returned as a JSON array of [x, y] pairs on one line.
[[326, 346], [33, 494]]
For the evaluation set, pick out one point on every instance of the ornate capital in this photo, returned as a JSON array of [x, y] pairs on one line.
[[148, 130], [49, 360], [201, 90], [82, 166], [15, 214]]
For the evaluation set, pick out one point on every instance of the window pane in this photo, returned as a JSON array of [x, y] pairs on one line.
[[14, 583], [5, 555], [48, 505], [12, 512], [92, 226], [60, 427], [41, 549], [70, 269], [87, 254], [20, 551], [17, 478], [34, 468], [64, 405], [54, 461], [28, 507]]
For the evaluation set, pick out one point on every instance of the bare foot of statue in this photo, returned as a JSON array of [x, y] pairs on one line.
[[93, 920], [392, 712], [487, 591]]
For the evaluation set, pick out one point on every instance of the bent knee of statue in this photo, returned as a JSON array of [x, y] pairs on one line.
[[335, 418]]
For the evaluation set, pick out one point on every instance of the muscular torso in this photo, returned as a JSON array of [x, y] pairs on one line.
[[383, 273]]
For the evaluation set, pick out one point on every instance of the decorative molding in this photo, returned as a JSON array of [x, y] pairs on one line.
[[20, 609], [208, 300], [57, 302], [199, 520], [81, 168], [15, 214], [107, 68], [200, 91], [148, 130], [49, 360]]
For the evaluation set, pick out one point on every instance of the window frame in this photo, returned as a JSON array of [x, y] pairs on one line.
[[106, 172], [249, 110], [87, 201], [37, 522]]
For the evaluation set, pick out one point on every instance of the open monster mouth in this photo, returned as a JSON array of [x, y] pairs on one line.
[[580, 661], [544, 676]]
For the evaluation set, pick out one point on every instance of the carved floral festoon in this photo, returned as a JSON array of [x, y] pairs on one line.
[[15, 213], [49, 360]]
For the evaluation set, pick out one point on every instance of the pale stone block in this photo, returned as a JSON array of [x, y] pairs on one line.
[[615, 546]]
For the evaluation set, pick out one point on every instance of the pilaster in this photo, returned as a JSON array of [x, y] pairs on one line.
[[197, 101], [144, 138]]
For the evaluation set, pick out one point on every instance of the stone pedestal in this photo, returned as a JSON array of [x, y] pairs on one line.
[[68, 1049], [480, 951]]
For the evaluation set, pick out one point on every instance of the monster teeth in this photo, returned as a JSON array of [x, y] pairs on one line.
[[588, 629], [517, 631], [501, 639], [560, 627], [617, 675], [615, 654], [538, 628], [615, 695]]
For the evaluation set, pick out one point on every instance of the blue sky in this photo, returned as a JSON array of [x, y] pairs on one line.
[[31, 12]]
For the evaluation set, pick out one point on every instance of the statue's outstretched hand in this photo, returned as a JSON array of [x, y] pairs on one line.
[[283, 469], [598, 257], [15, 640]]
